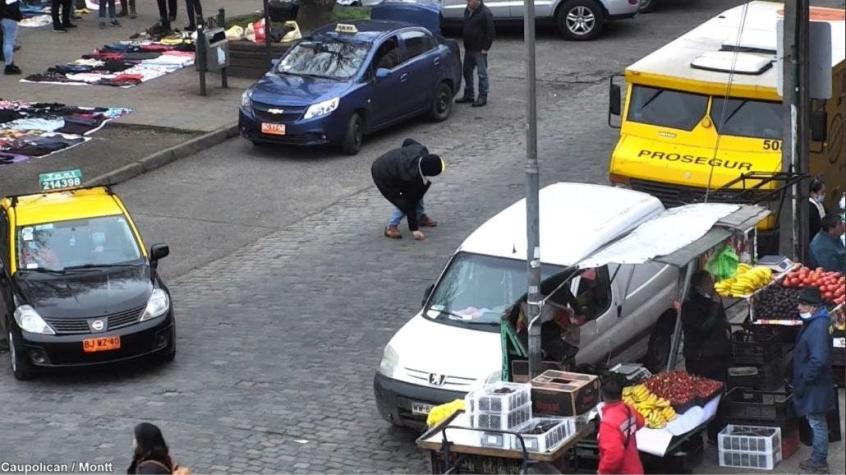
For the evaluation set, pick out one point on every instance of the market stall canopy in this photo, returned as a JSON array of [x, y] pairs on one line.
[[678, 235]]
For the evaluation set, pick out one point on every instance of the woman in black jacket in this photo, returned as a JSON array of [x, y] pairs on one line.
[[151, 452], [10, 15]]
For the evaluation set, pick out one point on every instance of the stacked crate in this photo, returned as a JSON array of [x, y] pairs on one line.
[[747, 407], [749, 447], [758, 361], [499, 406]]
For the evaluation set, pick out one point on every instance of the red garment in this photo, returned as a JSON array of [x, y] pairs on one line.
[[619, 424]]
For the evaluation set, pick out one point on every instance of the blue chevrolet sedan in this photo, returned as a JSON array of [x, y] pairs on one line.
[[346, 80]]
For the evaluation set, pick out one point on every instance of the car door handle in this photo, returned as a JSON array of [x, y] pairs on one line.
[[437, 61], [404, 77]]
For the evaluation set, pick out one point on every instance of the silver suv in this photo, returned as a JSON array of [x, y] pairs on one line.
[[575, 19]]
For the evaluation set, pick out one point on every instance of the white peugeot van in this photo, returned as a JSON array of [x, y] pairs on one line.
[[454, 343]]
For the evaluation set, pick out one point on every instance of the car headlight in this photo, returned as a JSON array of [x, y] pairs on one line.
[[245, 98], [390, 358], [30, 321], [157, 305], [322, 108]]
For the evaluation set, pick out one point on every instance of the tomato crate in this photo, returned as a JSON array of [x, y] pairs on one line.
[[755, 348], [753, 447], [762, 406], [501, 420]]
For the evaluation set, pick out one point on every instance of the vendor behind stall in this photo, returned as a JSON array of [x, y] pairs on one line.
[[617, 442], [707, 336]]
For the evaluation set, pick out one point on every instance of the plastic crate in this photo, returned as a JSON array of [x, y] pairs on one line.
[[765, 377], [764, 406], [749, 447], [558, 430], [496, 440], [756, 348], [501, 420], [499, 397]]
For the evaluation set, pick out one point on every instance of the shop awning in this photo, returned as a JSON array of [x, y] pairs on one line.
[[678, 235]]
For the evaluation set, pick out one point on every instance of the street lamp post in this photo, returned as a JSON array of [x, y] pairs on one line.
[[533, 296]]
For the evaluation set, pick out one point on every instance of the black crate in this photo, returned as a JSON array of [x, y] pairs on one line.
[[755, 348], [764, 406], [767, 377]]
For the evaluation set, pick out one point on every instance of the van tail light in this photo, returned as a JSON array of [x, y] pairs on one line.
[[620, 180]]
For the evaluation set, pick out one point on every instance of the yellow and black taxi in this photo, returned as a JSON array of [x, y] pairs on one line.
[[78, 286]]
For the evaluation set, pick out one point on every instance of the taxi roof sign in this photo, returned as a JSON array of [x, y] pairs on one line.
[[346, 28], [60, 180]]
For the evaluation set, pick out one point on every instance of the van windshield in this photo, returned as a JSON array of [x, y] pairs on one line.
[[477, 289], [666, 108], [747, 118]]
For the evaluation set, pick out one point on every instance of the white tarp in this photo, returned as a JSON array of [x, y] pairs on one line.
[[670, 231]]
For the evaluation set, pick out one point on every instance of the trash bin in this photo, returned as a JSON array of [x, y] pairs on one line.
[[282, 10], [213, 53]]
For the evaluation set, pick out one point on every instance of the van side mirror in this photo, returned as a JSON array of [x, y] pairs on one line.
[[158, 251], [819, 126], [426, 294], [614, 96], [383, 73], [274, 63]]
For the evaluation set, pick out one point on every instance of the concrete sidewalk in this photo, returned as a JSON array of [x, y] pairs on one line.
[[168, 111]]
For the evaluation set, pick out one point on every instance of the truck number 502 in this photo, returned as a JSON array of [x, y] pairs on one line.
[[771, 144]]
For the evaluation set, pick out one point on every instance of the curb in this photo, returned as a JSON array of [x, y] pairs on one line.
[[163, 157]]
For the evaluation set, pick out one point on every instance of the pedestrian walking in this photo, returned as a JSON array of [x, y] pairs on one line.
[[124, 10], [10, 15], [110, 6], [402, 176], [195, 12], [707, 336], [813, 390], [61, 12], [617, 427], [827, 249], [478, 34]]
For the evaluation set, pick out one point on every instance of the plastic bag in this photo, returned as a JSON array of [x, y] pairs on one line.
[[723, 264], [294, 33], [440, 413], [235, 33], [260, 31]]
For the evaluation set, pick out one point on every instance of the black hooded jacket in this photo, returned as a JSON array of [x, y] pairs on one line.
[[12, 12], [479, 31], [398, 177], [706, 330]]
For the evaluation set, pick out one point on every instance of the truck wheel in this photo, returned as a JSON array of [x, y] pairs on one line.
[[441, 103], [354, 135], [647, 6], [580, 20], [660, 344], [21, 368]]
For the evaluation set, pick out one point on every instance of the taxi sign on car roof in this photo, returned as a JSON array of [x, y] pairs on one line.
[[346, 28], [60, 180]]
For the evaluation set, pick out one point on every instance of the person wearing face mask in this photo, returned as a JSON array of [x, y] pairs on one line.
[[707, 335], [812, 381], [816, 209]]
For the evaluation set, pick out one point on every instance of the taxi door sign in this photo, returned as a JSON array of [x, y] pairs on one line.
[[60, 180]]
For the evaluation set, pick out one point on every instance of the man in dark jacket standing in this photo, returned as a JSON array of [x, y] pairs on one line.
[[400, 175], [478, 36], [707, 335], [813, 390]]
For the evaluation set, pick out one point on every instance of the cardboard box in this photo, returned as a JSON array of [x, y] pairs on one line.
[[565, 394]]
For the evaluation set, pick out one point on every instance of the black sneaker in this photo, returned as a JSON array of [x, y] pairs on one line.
[[116, 23], [465, 100], [122, 13], [69, 25], [12, 69], [480, 102], [173, 17], [60, 29], [190, 28]]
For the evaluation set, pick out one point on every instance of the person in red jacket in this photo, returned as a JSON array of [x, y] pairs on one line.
[[617, 443]]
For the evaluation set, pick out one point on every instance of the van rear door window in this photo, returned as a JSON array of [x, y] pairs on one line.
[[748, 118], [666, 108]]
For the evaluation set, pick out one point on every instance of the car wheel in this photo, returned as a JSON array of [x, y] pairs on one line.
[[647, 6], [580, 20], [354, 135], [660, 344], [441, 103], [21, 368]]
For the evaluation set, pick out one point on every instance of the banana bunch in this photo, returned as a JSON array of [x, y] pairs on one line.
[[655, 410], [747, 280]]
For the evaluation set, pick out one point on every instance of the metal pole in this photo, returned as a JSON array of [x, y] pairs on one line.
[[221, 18], [201, 56], [675, 342], [268, 55], [532, 200], [793, 221]]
